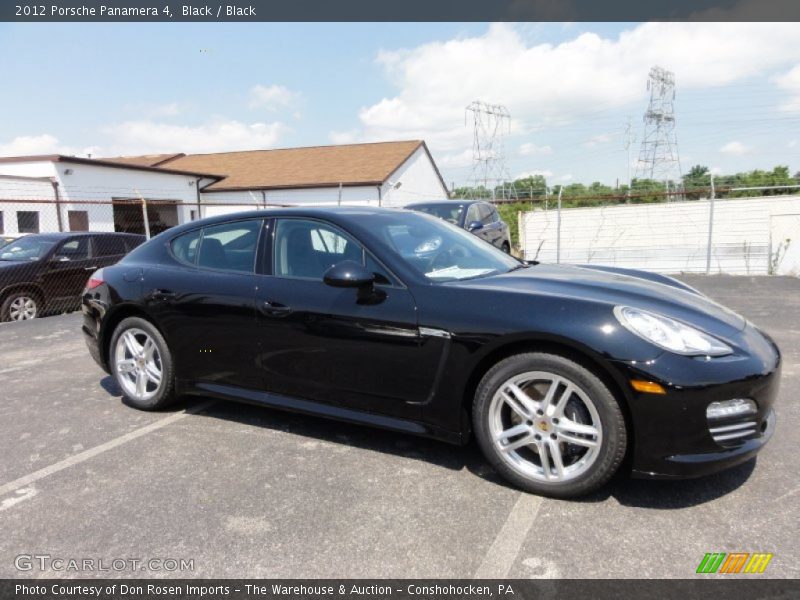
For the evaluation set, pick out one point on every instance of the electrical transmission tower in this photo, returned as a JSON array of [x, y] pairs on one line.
[[491, 122], [658, 155]]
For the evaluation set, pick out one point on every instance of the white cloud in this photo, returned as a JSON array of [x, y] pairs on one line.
[[31, 144], [597, 140], [28, 145], [567, 177], [456, 159], [165, 110], [343, 137], [531, 149], [272, 97], [547, 174], [734, 148], [583, 75], [140, 137], [790, 82]]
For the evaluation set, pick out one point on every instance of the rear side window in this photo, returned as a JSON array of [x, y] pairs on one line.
[[230, 246], [74, 249], [184, 247], [109, 245]]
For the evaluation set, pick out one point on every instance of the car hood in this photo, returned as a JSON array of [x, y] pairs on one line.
[[588, 284], [10, 268]]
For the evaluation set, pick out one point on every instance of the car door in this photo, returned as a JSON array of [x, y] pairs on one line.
[[491, 225], [65, 273], [204, 303], [108, 249], [343, 346]]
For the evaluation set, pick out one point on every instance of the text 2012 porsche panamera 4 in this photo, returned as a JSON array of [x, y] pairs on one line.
[[399, 320]]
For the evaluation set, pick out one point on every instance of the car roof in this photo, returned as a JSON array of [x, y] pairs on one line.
[[60, 235], [343, 213], [442, 203]]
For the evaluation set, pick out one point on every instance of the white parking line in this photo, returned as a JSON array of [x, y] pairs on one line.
[[506, 546], [75, 459]]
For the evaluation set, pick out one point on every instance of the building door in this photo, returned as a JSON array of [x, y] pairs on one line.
[[78, 220], [129, 216]]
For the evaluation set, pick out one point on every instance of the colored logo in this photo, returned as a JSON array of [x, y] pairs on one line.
[[735, 562]]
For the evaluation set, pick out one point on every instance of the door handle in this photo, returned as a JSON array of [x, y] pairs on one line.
[[274, 309], [163, 295], [90, 268]]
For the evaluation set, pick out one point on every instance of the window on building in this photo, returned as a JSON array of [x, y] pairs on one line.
[[28, 221], [2, 228], [78, 220]]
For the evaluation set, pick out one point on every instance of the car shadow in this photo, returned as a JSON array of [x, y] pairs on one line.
[[640, 493]]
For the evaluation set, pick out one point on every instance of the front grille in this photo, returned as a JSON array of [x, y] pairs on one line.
[[733, 432]]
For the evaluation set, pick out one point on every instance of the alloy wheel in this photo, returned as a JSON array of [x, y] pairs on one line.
[[137, 362], [22, 308], [545, 427]]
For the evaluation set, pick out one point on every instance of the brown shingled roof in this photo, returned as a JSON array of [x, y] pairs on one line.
[[145, 160], [318, 166]]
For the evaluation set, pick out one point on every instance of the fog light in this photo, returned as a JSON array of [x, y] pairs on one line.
[[738, 407]]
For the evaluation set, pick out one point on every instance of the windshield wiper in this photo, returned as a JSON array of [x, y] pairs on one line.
[[519, 266]]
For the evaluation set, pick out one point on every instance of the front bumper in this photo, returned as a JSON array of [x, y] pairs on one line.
[[672, 437]]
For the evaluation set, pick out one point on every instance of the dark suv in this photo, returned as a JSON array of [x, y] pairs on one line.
[[478, 217], [47, 271]]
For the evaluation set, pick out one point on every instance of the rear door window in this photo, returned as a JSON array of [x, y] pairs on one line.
[[230, 246], [109, 245]]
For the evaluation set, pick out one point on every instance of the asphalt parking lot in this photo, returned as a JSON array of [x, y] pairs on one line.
[[251, 492]]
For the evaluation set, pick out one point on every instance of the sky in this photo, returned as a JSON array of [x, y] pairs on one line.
[[120, 89]]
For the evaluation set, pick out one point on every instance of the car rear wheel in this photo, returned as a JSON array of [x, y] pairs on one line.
[[20, 306], [549, 425], [141, 363]]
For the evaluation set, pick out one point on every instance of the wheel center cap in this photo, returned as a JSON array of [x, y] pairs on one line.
[[543, 426]]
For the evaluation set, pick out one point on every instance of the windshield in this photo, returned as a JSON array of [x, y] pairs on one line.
[[449, 212], [440, 251], [27, 248]]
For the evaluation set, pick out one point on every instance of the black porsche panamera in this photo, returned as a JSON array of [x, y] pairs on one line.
[[402, 321]]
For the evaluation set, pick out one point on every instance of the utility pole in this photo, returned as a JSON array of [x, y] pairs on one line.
[[710, 225], [558, 227], [490, 124], [630, 138], [658, 154]]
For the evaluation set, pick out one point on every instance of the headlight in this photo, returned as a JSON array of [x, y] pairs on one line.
[[669, 334]]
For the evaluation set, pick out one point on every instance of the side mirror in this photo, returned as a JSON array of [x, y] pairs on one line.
[[348, 274], [474, 226]]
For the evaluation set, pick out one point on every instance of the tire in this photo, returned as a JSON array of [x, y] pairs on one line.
[[141, 363], [21, 306], [581, 404], [506, 248]]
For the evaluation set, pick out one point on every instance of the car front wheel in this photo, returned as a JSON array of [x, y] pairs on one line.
[[549, 425], [141, 363]]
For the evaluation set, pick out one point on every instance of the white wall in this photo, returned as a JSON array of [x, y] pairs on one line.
[[419, 182], [216, 203], [15, 191], [82, 186], [671, 237]]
